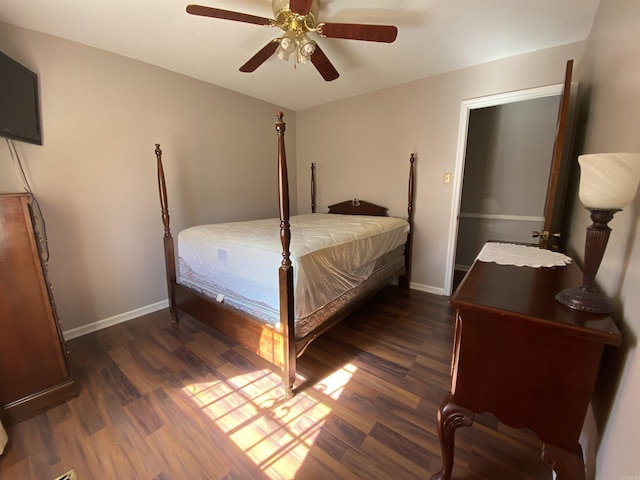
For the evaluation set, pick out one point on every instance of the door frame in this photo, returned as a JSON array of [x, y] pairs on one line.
[[458, 176]]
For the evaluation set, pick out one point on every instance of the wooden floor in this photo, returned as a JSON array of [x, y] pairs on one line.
[[162, 402]]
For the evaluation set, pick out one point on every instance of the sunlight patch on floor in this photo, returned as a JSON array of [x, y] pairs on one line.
[[274, 432]]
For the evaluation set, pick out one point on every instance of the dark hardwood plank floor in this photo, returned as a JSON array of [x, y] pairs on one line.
[[161, 402]]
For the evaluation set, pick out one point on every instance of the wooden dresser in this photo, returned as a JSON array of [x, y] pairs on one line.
[[34, 368], [524, 357]]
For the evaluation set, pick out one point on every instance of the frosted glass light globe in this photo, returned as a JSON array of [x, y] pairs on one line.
[[608, 180]]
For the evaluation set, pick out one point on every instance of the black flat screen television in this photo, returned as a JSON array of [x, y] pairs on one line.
[[19, 102]]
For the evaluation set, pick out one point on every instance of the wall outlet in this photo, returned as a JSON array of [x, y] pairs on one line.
[[447, 178]]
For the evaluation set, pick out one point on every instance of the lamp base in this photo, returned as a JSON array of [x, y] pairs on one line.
[[585, 300]]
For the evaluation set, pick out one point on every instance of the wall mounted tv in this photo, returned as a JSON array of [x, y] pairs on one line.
[[19, 102]]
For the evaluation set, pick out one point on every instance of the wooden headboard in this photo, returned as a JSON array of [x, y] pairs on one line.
[[358, 207], [355, 206]]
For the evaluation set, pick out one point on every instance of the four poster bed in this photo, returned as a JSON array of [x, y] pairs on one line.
[[226, 276]]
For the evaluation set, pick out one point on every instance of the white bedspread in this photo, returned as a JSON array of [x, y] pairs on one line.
[[330, 255]]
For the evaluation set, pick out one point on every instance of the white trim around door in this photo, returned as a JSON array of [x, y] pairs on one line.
[[465, 112]]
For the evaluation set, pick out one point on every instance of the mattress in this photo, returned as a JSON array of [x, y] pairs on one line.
[[332, 255]]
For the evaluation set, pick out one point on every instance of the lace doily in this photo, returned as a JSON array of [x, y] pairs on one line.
[[521, 255]]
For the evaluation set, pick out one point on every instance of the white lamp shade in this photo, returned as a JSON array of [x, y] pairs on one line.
[[608, 180]]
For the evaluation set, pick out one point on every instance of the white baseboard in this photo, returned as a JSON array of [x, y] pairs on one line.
[[108, 322], [426, 288]]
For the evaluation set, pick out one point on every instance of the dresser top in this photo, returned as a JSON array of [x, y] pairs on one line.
[[528, 294]]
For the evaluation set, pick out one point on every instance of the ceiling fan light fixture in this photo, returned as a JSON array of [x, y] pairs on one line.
[[282, 54], [288, 45], [306, 48]]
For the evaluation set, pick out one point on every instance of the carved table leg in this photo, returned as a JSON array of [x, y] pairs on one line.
[[567, 465], [451, 416]]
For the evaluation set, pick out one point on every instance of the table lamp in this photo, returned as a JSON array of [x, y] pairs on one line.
[[608, 182]]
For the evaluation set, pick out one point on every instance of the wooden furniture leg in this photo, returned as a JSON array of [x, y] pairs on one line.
[[568, 465], [451, 416]]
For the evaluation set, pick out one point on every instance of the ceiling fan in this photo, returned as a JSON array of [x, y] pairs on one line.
[[297, 18]]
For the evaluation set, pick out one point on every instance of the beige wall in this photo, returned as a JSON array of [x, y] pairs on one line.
[[361, 145], [95, 174], [610, 78]]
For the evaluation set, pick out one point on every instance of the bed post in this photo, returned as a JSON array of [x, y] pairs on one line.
[[286, 270], [405, 279], [169, 255], [313, 188]]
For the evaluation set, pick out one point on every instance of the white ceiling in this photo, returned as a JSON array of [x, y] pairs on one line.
[[434, 36]]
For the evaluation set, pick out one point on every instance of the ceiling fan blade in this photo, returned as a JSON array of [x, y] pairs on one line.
[[227, 15], [259, 58], [356, 31], [323, 65], [301, 7]]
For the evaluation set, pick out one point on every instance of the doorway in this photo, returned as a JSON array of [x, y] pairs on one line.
[[505, 147]]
